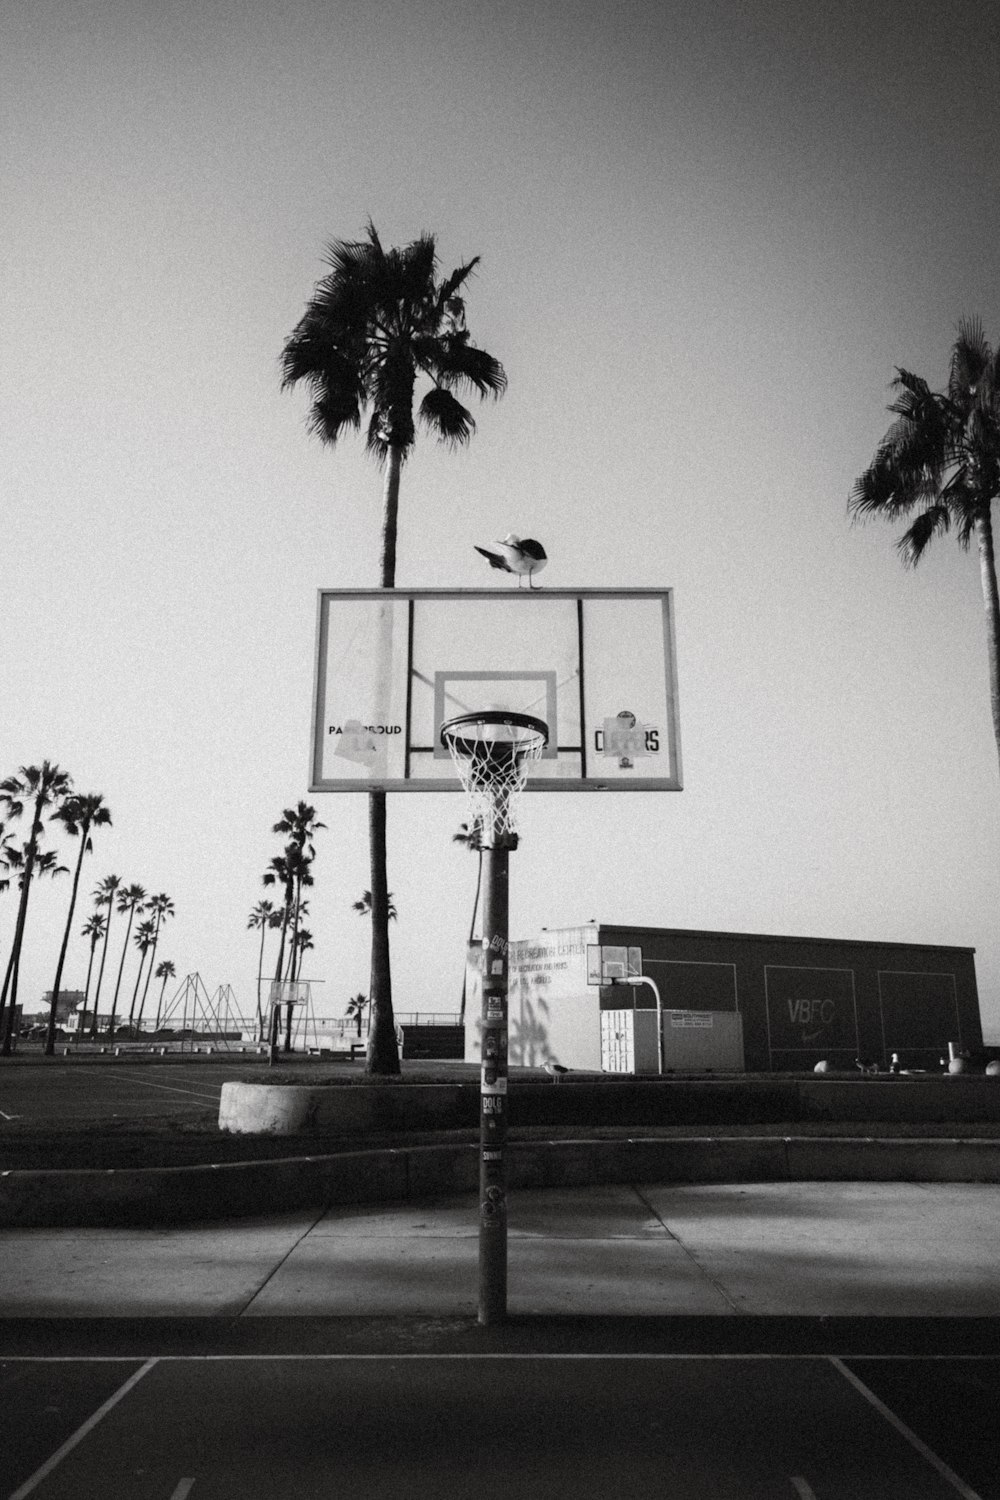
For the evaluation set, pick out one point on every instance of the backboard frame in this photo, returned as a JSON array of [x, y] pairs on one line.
[[590, 778]]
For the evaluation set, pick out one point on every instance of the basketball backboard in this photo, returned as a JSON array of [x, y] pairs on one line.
[[596, 665]]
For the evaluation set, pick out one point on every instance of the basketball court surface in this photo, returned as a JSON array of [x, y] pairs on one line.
[[836, 1341]]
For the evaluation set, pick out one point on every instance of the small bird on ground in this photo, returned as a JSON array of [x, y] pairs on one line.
[[555, 1071], [523, 557]]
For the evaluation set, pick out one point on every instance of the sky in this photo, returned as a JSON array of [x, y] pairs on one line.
[[709, 233]]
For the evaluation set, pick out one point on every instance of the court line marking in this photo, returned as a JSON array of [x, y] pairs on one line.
[[486, 1354], [171, 1088], [183, 1489], [35, 1479], [803, 1488], [947, 1474]]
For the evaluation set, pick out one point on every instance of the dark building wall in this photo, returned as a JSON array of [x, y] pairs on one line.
[[804, 999]]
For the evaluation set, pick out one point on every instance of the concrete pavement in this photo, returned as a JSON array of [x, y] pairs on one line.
[[835, 1249]]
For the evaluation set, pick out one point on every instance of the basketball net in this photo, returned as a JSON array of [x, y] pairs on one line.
[[493, 770]]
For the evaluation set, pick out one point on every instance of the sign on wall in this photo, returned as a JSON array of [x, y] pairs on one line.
[[810, 1009]]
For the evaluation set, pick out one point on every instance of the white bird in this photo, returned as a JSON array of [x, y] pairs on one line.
[[523, 557]]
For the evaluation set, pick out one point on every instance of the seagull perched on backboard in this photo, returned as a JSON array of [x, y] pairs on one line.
[[517, 556]]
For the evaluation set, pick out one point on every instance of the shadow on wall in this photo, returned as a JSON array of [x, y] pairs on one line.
[[528, 1040]]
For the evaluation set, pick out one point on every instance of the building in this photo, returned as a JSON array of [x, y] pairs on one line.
[[69, 1001], [800, 1000]]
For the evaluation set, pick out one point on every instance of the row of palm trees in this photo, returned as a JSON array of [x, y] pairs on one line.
[[129, 901], [291, 872], [38, 797]]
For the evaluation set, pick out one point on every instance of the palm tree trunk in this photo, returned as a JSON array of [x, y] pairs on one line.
[[472, 939], [135, 992], [50, 1034], [6, 982], [15, 952], [159, 1003], [86, 988], [991, 599], [121, 970], [383, 1054], [152, 961], [100, 972], [260, 979]]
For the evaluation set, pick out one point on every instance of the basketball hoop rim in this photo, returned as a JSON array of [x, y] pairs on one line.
[[462, 744]]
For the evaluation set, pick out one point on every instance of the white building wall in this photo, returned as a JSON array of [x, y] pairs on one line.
[[553, 1015]]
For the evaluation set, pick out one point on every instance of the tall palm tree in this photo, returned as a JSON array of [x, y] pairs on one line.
[[470, 836], [93, 929], [79, 814], [378, 322], [42, 788], [164, 970], [941, 458], [104, 895], [262, 916], [143, 940], [132, 897], [162, 908]]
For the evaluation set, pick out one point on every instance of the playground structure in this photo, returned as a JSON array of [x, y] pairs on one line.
[[192, 1016]]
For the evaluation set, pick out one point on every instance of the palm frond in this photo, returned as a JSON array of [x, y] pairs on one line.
[[452, 422], [452, 360], [971, 357], [935, 520]]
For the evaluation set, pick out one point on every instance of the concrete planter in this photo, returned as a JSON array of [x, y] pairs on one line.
[[298, 1109]]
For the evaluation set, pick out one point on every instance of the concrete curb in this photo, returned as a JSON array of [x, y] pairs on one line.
[[173, 1195]]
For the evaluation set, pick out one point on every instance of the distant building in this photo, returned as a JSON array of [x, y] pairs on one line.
[[69, 1001]]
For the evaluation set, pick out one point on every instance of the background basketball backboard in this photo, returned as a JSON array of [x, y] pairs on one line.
[[598, 666]]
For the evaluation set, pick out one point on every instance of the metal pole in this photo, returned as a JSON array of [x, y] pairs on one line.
[[493, 1086]]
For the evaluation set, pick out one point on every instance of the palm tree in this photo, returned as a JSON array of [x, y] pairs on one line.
[[104, 895], [164, 970], [162, 907], [356, 1007], [129, 899], [143, 940], [941, 457], [470, 836], [301, 824], [291, 870], [45, 864], [79, 814], [379, 321], [44, 788], [262, 916], [93, 929]]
